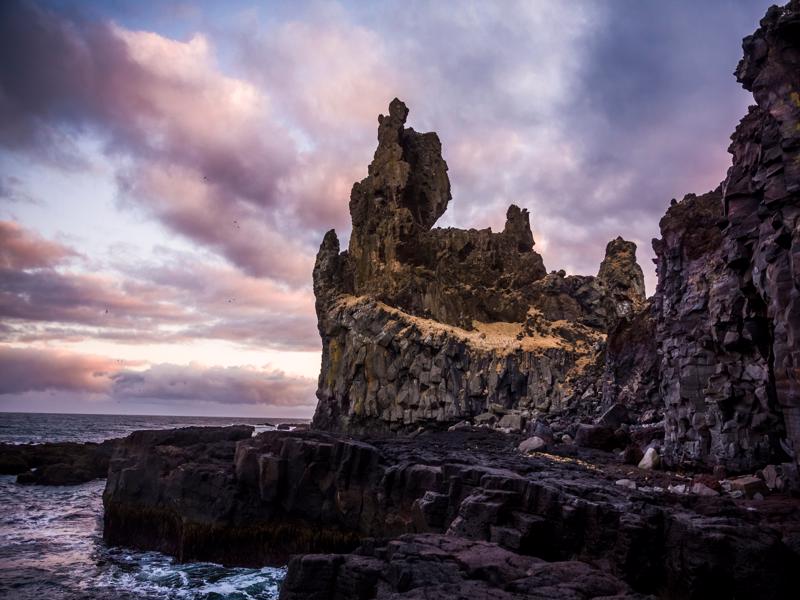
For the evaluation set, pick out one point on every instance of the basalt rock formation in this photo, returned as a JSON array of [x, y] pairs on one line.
[[424, 326], [728, 297], [440, 567], [218, 494]]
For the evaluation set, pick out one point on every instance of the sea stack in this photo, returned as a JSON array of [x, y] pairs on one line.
[[426, 327]]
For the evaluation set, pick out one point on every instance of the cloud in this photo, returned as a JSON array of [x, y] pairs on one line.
[[25, 370], [222, 385], [178, 300], [23, 249], [198, 149]]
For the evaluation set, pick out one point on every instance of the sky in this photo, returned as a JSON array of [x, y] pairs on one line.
[[168, 169]]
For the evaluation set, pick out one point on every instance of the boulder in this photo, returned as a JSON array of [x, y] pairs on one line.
[[513, 421], [632, 454], [749, 485], [651, 460], [616, 415], [532, 444], [601, 437], [702, 489]]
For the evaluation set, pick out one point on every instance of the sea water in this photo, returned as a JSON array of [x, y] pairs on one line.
[[51, 543]]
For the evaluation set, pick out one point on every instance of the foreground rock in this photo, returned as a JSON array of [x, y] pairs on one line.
[[64, 463], [439, 567], [218, 494]]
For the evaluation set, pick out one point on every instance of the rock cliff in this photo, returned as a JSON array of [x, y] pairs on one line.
[[728, 297], [427, 327], [424, 326]]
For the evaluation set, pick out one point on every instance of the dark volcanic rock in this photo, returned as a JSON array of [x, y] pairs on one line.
[[438, 567], [728, 298], [423, 326], [63, 463], [384, 370], [451, 275], [261, 499]]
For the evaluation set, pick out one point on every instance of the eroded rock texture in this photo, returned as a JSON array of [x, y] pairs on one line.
[[439, 567], [496, 515], [728, 297], [424, 326]]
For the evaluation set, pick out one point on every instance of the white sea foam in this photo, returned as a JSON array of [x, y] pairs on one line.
[[51, 543]]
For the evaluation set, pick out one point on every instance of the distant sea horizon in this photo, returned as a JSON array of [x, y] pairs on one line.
[[42, 427]]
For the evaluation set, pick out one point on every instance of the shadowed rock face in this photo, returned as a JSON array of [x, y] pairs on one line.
[[728, 297], [451, 275], [464, 504], [438, 567], [426, 327]]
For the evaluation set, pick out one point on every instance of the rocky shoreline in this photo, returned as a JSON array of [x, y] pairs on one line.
[[221, 495], [59, 463]]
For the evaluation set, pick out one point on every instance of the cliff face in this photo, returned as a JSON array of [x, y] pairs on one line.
[[428, 326], [728, 297]]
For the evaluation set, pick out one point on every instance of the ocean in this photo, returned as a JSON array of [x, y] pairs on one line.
[[51, 543]]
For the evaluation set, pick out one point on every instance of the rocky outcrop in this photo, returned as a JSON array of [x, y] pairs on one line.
[[427, 327], [218, 494], [385, 370], [60, 463], [728, 297], [438, 567], [451, 275]]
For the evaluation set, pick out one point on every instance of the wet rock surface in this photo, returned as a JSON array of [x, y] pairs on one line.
[[434, 566], [63, 463], [227, 497]]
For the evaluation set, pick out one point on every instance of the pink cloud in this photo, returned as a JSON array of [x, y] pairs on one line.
[[26, 369], [223, 385], [30, 370], [178, 300], [23, 249]]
